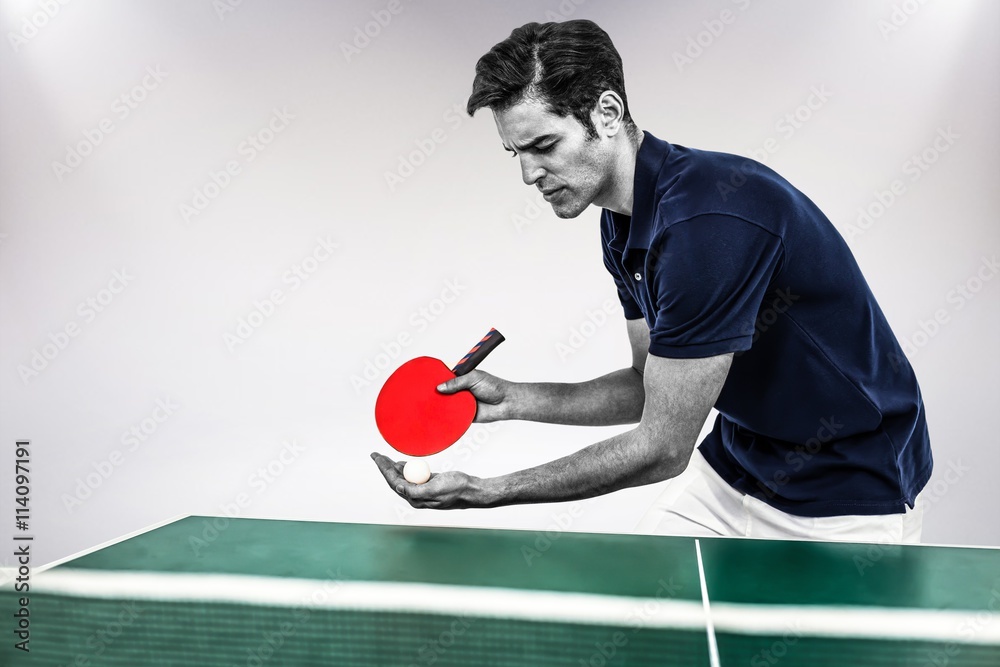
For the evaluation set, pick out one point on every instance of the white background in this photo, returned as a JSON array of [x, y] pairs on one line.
[[362, 107]]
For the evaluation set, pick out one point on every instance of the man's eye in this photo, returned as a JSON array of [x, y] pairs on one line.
[[546, 148]]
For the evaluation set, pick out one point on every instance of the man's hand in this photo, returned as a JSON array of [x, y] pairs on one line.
[[493, 395], [443, 491]]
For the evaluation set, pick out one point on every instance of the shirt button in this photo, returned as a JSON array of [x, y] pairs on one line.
[[638, 276]]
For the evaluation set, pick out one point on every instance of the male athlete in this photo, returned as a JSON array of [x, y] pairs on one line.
[[738, 294]]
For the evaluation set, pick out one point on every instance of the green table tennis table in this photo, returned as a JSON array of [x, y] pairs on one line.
[[208, 591]]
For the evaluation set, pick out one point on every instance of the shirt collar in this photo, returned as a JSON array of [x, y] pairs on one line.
[[648, 163]]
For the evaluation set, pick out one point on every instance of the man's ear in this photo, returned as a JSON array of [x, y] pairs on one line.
[[609, 113]]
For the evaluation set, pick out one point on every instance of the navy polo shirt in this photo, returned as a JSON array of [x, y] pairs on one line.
[[821, 414]]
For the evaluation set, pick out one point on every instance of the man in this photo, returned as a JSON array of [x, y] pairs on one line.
[[738, 293]]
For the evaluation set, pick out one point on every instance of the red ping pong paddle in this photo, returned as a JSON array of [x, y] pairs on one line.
[[418, 420]]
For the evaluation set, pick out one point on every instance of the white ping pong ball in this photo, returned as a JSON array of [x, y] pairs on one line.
[[416, 471]]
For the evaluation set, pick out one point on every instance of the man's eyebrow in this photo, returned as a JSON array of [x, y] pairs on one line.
[[531, 144]]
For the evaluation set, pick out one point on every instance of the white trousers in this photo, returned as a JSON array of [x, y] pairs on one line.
[[700, 503]]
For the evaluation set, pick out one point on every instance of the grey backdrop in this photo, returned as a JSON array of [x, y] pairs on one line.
[[223, 223]]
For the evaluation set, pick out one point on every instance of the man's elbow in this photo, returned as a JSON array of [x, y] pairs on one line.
[[672, 463], [665, 456]]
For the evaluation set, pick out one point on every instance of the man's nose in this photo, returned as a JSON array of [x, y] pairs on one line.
[[531, 170]]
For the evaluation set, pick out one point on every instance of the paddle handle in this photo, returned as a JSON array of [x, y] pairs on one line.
[[478, 353]]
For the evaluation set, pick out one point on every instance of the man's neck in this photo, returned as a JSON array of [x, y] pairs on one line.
[[622, 192]]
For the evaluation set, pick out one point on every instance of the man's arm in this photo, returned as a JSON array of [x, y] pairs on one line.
[[615, 398], [679, 393]]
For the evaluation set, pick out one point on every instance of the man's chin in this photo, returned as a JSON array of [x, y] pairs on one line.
[[567, 211]]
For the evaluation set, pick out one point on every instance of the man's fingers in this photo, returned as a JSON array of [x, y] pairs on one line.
[[458, 384], [391, 470], [393, 473], [417, 492], [420, 496], [440, 492], [383, 462], [451, 386]]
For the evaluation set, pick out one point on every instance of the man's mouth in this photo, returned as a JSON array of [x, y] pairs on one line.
[[548, 194]]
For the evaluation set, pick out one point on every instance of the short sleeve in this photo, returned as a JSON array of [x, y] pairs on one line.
[[707, 284]]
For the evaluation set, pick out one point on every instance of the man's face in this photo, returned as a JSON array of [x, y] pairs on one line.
[[556, 156]]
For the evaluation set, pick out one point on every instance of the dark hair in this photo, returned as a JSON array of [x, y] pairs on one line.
[[566, 65]]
